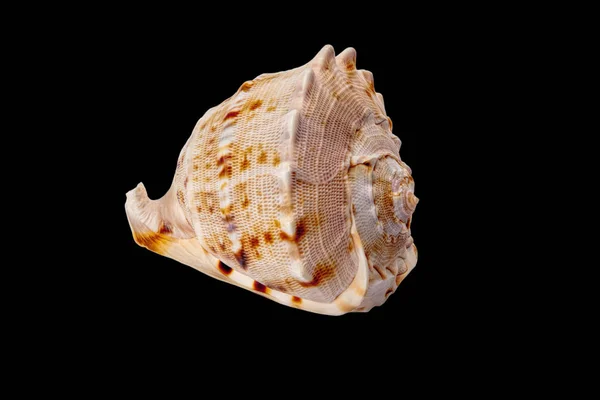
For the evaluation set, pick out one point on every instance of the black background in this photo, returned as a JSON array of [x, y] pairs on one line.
[[150, 89], [119, 93]]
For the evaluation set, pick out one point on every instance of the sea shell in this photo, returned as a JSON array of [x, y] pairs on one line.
[[293, 188]]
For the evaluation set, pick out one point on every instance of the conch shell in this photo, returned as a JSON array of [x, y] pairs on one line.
[[293, 188]]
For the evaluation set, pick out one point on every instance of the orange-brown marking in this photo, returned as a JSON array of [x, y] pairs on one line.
[[350, 245], [388, 292], [408, 223], [245, 161], [276, 160], [253, 105], [262, 158], [223, 159], [165, 228], [268, 237], [213, 128], [225, 270], [259, 287], [271, 108], [225, 172], [241, 190], [226, 211], [247, 86], [250, 242], [350, 66], [151, 240], [296, 300], [240, 256], [284, 236], [231, 114], [322, 273], [300, 231], [277, 223]]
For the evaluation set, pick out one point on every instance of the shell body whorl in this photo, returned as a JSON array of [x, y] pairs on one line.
[[292, 188]]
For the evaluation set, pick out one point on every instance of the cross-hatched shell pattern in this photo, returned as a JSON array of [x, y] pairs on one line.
[[293, 188]]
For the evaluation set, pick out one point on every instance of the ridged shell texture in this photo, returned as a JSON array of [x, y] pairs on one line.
[[292, 188]]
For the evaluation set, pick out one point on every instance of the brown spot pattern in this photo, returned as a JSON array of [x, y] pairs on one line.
[[259, 287], [241, 258], [245, 160], [296, 300], [223, 160], [225, 269], [262, 158], [300, 231], [285, 237], [268, 237], [231, 114], [165, 228], [253, 105], [271, 108], [322, 273]]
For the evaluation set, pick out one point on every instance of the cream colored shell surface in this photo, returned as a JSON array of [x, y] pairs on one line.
[[293, 188]]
